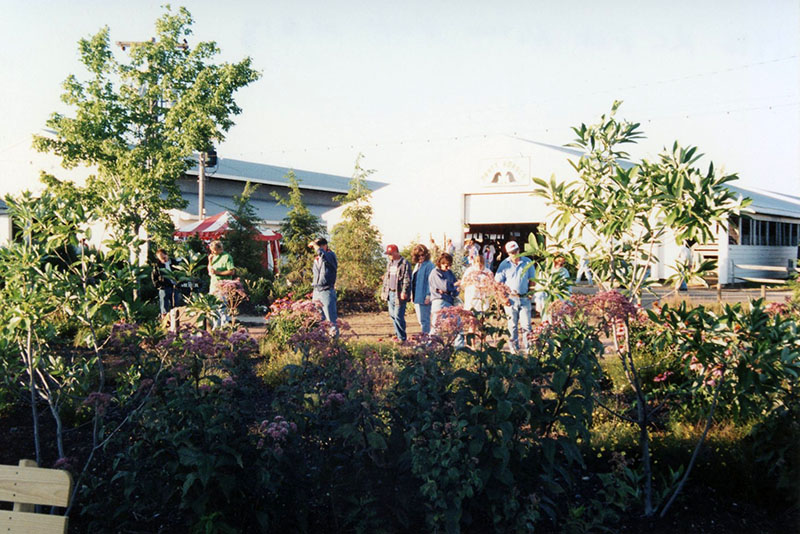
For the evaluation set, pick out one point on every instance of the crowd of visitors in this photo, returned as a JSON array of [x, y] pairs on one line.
[[428, 282]]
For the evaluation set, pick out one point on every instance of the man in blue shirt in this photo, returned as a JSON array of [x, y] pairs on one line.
[[324, 280], [517, 272]]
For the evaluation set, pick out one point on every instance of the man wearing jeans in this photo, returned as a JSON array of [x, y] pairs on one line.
[[517, 272], [324, 280], [397, 289]]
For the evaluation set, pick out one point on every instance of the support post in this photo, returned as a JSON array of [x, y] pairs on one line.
[[201, 186]]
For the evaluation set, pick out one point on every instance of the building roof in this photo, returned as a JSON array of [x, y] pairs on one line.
[[764, 202], [267, 210], [3, 206], [769, 202], [261, 173]]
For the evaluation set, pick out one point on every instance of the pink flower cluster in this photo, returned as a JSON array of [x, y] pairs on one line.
[[486, 286], [100, 401], [64, 463], [277, 431], [663, 376], [711, 373], [453, 320], [777, 308], [332, 398], [123, 337]]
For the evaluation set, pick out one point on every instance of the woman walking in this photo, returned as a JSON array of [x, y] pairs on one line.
[[420, 288]]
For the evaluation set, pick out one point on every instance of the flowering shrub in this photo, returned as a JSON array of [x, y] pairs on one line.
[[233, 294], [288, 317], [454, 321], [186, 446], [488, 291], [201, 354]]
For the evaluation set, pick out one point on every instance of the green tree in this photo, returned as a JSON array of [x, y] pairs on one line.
[[51, 277], [624, 211], [138, 123], [356, 241], [298, 228], [241, 240]]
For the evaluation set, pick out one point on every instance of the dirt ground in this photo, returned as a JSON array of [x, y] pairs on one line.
[[378, 326], [374, 326]]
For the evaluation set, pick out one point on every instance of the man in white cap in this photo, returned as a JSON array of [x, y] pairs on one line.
[[517, 272]]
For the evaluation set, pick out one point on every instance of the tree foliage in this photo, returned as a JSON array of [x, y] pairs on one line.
[[622, 211], [625, 210], [356, 241], [241, 240], [137, 123], [298, 228]]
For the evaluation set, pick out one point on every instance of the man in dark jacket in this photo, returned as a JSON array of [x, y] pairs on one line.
[[397, 289], [324, 280]]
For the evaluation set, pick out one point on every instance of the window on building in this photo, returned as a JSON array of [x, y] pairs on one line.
[[733, 230], [772, 234], [747, 231]]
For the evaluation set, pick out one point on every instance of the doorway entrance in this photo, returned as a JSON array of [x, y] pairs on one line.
[[500, 234]]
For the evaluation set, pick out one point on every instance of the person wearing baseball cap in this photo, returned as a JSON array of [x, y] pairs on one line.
[[517, 272], [396, 289], [323, 281]]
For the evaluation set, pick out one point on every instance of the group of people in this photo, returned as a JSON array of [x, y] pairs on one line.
[[220, 267], [431, 287]]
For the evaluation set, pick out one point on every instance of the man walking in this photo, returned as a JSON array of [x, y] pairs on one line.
[[396, 289], [517, 273], [324, 280]]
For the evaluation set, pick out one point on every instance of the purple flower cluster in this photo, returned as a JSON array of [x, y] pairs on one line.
[[277, 431], [332, 398], [232, 291], [123, 337], [215, 345], [453, 320], [487, 287], [65, 463], [100, 401], [777, 308]]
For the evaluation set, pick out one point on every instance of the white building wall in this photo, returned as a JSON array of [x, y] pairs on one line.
[[5, 229], [436, 190]]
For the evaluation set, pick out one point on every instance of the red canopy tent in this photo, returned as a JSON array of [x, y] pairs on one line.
[[217, 225]]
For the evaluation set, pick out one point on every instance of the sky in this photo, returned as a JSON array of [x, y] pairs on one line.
[[379, 77]]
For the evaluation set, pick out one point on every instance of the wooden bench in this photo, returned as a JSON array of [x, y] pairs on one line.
[[783, 276], [26, 486]]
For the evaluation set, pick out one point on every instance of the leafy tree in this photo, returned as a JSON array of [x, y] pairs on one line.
[[138, 123], [356, 241], [624, 211], [241, 240], [50, 276], [298, 228]]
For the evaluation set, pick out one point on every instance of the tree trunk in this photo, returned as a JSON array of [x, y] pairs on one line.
[[34, 396]]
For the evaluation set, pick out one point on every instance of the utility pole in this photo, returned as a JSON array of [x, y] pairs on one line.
[[201, 186]]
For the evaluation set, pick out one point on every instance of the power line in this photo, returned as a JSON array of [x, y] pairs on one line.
[[434, 140]]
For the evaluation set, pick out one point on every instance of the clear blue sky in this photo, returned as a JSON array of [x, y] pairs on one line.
[[341, 77]]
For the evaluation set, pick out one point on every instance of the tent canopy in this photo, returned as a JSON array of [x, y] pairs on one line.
[[216, 226]]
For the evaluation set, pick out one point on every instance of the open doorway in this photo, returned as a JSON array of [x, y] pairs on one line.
[[500, 234]]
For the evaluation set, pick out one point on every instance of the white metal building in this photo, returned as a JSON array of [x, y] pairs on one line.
[[482, 188]]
